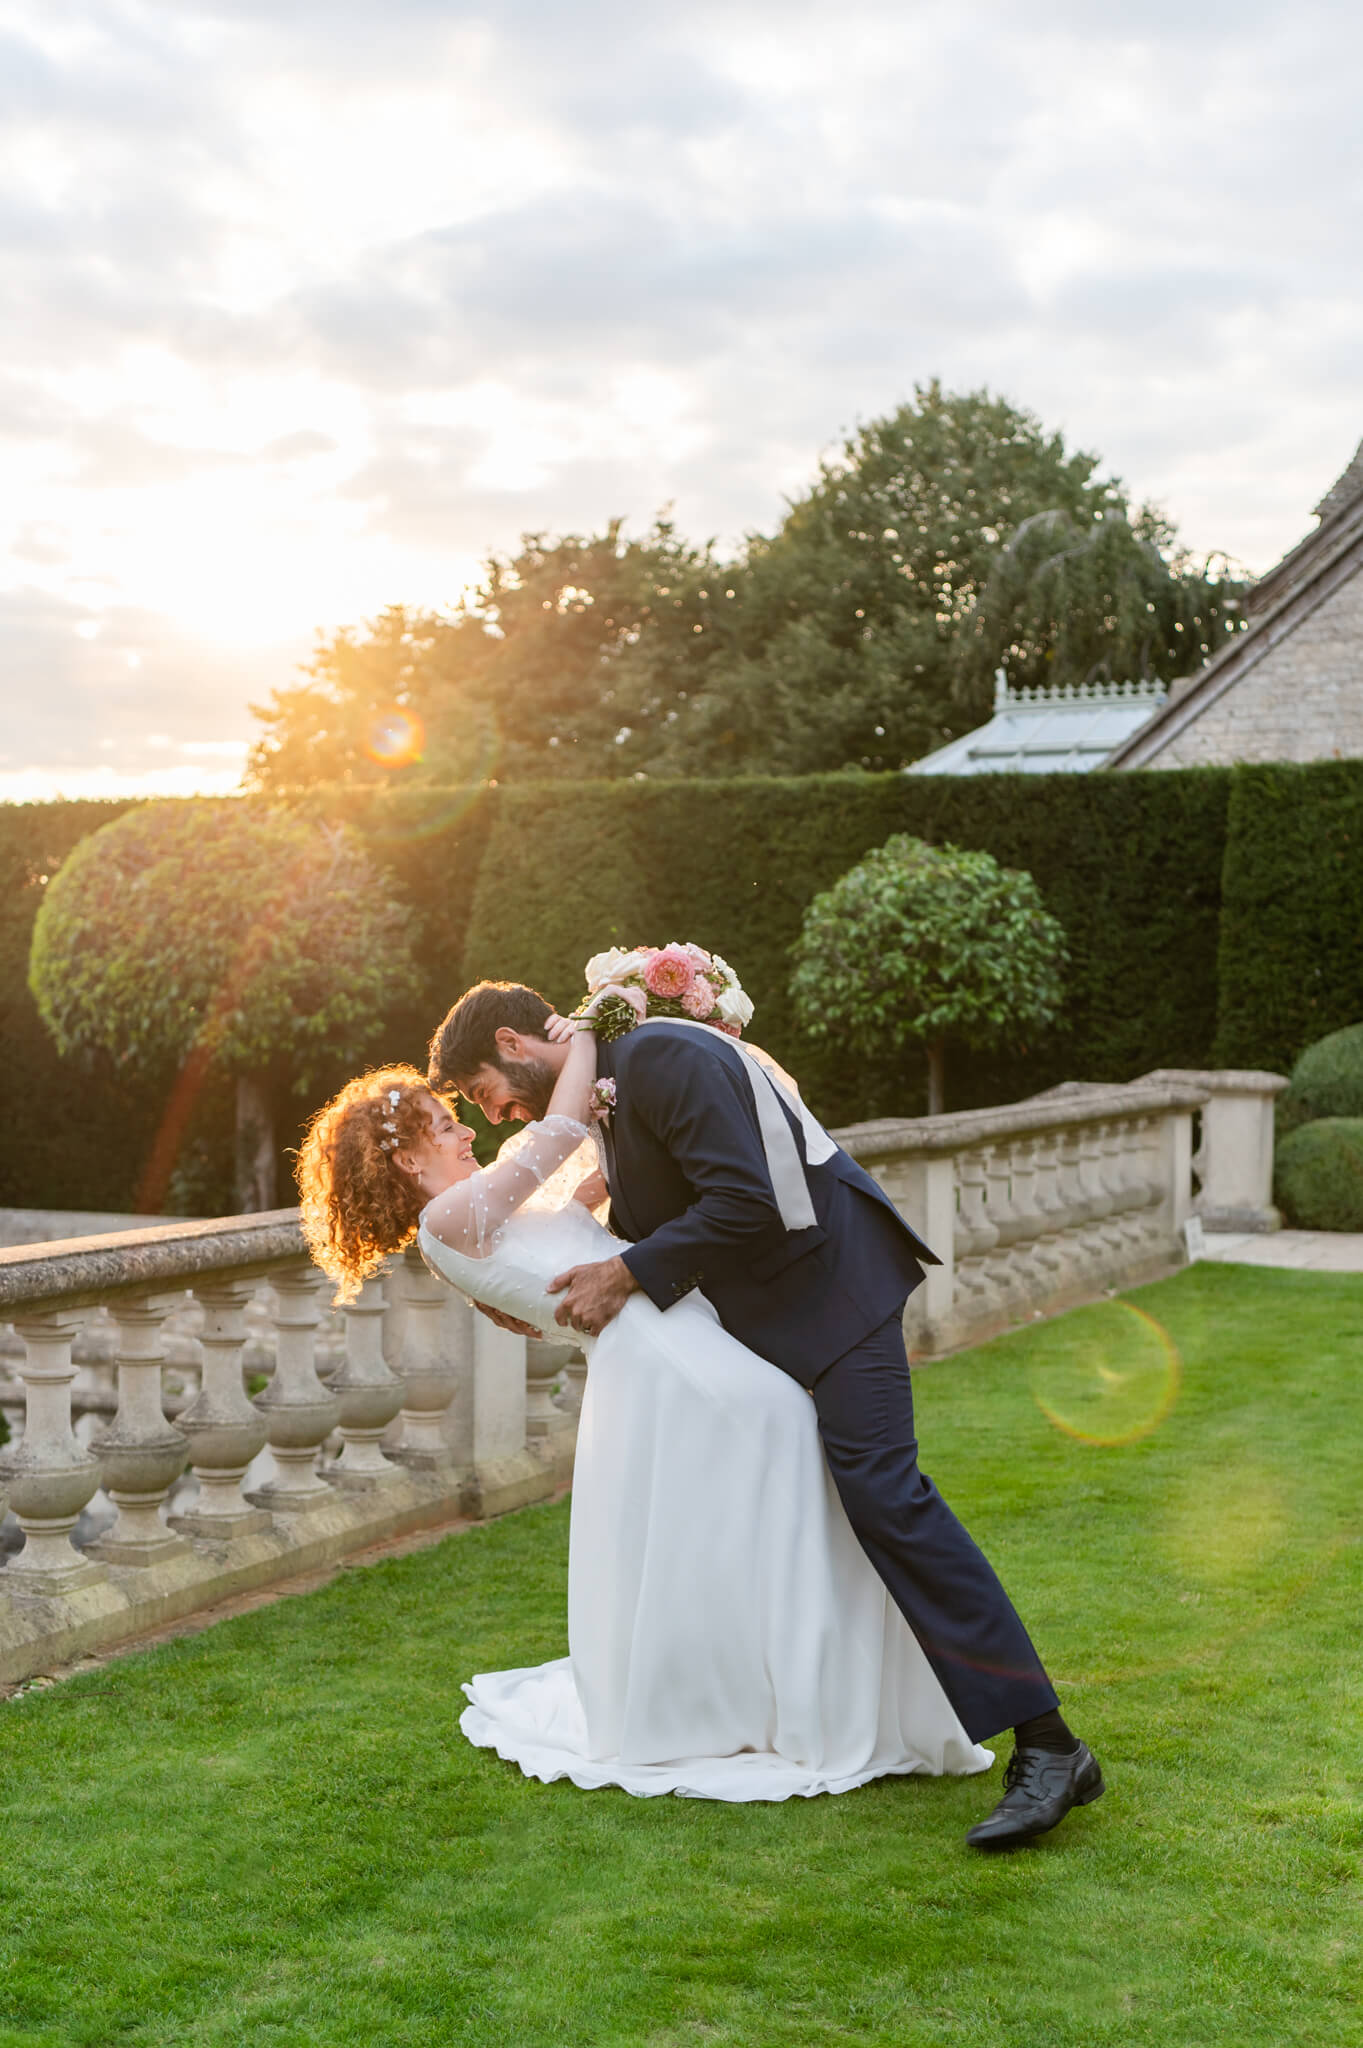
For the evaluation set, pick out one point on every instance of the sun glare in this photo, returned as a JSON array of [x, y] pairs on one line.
[[396, 738]]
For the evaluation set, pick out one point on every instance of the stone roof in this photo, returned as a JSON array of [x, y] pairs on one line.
[[1346, 491], [1064, 730], [1308, 574]]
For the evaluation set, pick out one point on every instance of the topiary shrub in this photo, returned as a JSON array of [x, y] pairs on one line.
[[1327, 1081], [219, 940], [1318, 1174], [923, 944]]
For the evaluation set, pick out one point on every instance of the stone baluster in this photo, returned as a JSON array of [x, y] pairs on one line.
[[141, 1454], [225, 1430], [1030, 1217], [975, 1238], [1050, 1199], [544, 1361], [369, 1393], [95, 1350], [1138, 1182], [183, 1354], [1151, 1234], [574, 1384], [1096, 1200], [1007, 1280], [1107, 1139], [1083, 1249], [549, 1429], [434, 1355], [49, 1477], [300, 1413]]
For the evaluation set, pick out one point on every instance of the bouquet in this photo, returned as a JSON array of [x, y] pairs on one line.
[[662, 981]]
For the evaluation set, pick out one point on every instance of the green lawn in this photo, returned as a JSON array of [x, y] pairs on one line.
[[273, 1833]]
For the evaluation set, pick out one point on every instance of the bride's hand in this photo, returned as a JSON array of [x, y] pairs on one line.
[[635, 997], [559, 1029], [592, 1191]]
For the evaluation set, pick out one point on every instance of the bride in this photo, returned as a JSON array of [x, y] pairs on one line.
[[728, 1637]]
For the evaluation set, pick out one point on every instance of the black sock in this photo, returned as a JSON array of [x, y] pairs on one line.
[[1046, 1731]]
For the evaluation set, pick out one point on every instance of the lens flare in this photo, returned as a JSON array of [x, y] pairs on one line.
[[395, 738], [1112, 1378]]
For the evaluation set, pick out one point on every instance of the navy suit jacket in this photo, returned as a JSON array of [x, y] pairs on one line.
[[691, 1190]]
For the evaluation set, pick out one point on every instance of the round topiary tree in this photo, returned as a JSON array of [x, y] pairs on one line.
[[219, 936], [923, 944], [1326, 1081], [1318, 1174]]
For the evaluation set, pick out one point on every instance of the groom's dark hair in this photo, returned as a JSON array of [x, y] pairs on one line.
[[467, 1039]]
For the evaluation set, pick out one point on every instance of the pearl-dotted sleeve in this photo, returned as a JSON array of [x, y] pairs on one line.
[[468, 1216]]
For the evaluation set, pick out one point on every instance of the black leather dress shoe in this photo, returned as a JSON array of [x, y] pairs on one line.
[[1039, 1788]]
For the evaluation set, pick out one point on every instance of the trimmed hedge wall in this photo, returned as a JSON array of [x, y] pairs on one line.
[[1129, 864], [1291, 954], [67, 1139], [527, 882]]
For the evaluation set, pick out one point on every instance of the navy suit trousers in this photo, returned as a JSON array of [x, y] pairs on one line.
[[939, 1578]]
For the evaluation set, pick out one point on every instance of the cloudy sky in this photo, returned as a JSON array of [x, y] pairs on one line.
[[307, 303]]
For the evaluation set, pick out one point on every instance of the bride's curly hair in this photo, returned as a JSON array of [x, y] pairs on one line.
[[358, 1204]]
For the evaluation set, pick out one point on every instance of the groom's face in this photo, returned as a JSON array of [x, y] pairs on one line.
[[518, 1086]]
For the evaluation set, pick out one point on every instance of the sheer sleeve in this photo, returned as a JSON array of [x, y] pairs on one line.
[[468, 1216]]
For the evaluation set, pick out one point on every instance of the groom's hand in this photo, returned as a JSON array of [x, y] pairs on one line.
[[592, 1295]]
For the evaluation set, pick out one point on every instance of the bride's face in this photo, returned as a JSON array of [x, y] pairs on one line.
[[443, 1156]]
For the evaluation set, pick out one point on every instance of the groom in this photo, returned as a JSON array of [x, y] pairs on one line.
[[692, 1188]]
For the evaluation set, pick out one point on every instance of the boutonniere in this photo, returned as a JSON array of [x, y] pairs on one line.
[[602, 1100]]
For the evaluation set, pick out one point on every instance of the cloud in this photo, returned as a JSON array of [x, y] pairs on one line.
[[307, 307]]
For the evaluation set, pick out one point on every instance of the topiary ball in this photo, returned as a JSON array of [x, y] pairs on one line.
[[1318, 1174], [1326, 1081]]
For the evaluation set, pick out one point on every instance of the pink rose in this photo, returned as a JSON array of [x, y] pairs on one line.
[[699, 1000], [729, 1030], [669, 973]]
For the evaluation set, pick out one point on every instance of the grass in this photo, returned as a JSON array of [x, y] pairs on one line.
[[273, 1833]]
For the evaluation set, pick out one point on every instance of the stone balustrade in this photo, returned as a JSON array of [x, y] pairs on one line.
[[422, 1414], [1037, 1205]]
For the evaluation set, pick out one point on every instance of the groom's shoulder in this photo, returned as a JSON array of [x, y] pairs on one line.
[[662, 1041]]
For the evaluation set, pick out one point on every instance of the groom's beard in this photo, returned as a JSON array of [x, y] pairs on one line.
[[532, 1082]]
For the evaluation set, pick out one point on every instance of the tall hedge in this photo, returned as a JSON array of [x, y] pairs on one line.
[[1291, 953], [65, 1139], [1129, 864], [1147, 872]]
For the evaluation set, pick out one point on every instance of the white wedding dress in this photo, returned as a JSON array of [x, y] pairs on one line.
[[729, 1639]]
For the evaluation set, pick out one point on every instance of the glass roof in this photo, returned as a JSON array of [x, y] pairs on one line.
[[1047, 732]]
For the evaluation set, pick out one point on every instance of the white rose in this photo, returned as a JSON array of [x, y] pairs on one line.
[[733, 1007], [613, 965]]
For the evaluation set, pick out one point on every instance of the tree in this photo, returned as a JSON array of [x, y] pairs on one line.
[[954, 536], [396, 700], [207, 938], [949, 538], [922, 944], [536, 673]]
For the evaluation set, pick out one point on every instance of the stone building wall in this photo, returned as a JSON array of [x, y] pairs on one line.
[[1303, 701]]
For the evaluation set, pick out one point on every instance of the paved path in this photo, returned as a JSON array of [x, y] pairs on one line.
[[1309, 1251]]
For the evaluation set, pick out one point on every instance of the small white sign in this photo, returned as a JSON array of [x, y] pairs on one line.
[[1194, 1242]]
